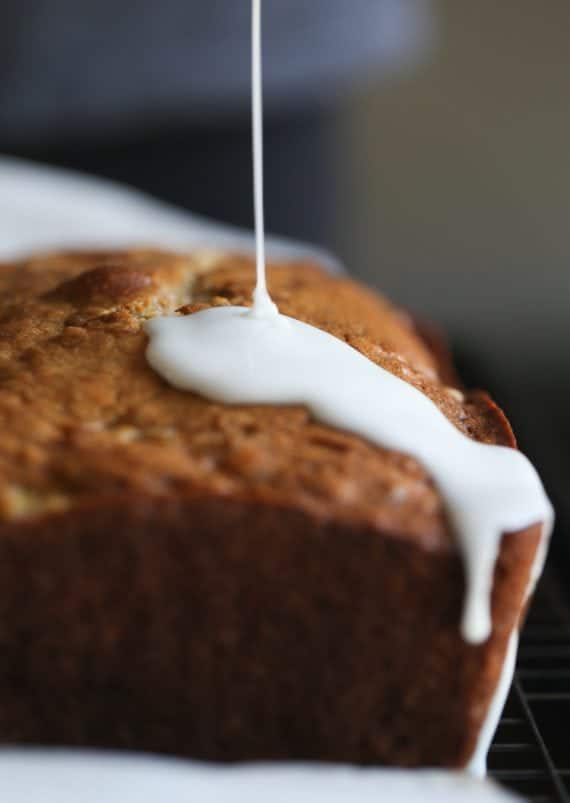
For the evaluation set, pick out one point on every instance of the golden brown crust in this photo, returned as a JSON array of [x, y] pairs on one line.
[[85, 415]]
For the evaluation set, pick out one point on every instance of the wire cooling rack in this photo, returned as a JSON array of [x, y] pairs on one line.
[[531, 751]]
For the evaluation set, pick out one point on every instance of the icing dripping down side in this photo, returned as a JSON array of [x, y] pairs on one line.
[[477, 765], [263, 306], [230, 356]]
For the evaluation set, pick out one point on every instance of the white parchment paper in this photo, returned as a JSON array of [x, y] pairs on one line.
[[44, 208], [78, 777]]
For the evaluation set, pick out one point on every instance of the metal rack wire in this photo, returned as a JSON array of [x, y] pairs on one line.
[[531, 751]]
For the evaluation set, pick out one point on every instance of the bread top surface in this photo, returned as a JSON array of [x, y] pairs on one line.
[[84, 417]]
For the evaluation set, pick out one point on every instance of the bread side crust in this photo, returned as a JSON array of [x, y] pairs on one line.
[[227, 630]]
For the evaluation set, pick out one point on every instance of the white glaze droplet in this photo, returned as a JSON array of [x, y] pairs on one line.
[[227, 355]]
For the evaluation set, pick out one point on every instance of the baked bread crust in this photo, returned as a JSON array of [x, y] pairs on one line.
[[226, 582]]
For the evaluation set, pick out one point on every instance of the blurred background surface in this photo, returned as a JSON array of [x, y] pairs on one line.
[[424, 141], [456, 179]]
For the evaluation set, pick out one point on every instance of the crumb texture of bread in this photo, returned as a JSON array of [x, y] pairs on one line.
[[226, 582]]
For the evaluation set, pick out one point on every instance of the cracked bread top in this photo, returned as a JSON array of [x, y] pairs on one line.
[[84, 417]]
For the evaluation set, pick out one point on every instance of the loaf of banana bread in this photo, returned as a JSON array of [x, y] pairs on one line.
[[227, 582]]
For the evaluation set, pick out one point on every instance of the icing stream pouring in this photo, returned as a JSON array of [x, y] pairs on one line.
[[240, 355], [263, 306]]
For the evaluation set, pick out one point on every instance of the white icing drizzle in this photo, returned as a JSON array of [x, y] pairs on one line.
[[263, 306], [227, 355], [240, 355], [257, 356], [477, 764]]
